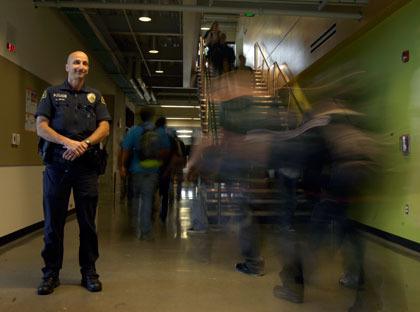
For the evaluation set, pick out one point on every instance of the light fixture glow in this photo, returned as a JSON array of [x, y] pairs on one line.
[[184, 131], [159, 69], [145, 19], [153, 46], [184, 136], [205, 28], [182, 118], [179, 106]]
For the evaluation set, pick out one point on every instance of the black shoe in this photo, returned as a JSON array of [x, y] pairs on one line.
[[292, 294], [47, 285], [92, 283], [244, 268]]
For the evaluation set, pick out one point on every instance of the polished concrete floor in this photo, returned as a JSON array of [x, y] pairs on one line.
[[178, 272]]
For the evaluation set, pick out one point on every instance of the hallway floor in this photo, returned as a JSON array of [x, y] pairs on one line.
[[178, 272]]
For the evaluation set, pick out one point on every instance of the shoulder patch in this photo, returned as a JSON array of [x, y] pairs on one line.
[[103, 100], [44, 95], [91, 97]]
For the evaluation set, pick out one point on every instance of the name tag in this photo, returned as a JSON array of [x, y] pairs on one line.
[[60, 96]]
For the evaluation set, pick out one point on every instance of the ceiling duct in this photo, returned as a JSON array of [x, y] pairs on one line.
[[142, 85], [261, 10], [134, 85]]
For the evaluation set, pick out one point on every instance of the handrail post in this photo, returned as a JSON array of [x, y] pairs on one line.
[[255, 57]]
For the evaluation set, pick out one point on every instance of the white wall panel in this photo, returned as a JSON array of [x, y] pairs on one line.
[[20, 197]]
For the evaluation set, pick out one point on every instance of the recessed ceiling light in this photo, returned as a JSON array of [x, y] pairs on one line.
[[153, 51], [159, 71], [205, 28], [145, 19]]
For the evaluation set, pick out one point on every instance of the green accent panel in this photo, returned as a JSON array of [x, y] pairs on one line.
[[370, 76], [13, 84]]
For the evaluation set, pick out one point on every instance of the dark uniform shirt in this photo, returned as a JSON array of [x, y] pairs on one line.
[[73, 114]]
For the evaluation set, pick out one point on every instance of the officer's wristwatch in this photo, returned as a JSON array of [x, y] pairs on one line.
[[88, 143]]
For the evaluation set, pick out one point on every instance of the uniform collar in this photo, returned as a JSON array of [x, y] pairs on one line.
[[67, 87]]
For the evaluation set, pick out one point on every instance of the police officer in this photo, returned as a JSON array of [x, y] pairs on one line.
[[73, 119]]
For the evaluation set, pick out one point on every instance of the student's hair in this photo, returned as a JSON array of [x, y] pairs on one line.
[[160, 122]]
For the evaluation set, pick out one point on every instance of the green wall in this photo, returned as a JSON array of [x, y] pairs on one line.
[[369, 75]]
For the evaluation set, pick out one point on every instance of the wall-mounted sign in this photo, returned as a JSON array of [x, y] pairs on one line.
[[31, 102]]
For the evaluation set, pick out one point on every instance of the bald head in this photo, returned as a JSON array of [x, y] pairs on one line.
[[77, 67], [76, 54]]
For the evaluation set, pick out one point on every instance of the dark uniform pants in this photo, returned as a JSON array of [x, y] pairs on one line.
[[59, 180]]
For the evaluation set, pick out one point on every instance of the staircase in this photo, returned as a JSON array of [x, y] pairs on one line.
[[225, 198]]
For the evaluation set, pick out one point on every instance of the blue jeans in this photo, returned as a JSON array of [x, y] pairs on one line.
[[144, 187]]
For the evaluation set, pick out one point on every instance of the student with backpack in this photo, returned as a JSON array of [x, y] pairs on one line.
[[166, 152], [140, 157]]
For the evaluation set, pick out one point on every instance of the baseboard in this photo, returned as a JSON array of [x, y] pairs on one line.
[[396, 240], [25, 231]]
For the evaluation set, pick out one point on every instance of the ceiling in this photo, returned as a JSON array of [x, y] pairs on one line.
[[121, 42]]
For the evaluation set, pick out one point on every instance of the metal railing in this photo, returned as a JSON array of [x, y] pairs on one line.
[[275, 78], [280, 81], [207, 106], [261, 65]]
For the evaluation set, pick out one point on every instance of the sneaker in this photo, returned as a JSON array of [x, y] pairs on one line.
[[243, 268], [47, 285], [293, 294], [91, 283]]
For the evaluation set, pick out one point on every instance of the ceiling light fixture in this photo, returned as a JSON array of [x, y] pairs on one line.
[[144, 15], [159, 69], [145, 19], [153, 49], [179, 106], [184, 131], [205, 28], [182, 118]]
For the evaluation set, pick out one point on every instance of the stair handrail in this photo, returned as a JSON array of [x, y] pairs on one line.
[[286, 84], [209, 117], [266, 74]]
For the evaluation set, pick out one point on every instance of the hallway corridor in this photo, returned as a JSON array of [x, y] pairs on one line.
[[178, 272]]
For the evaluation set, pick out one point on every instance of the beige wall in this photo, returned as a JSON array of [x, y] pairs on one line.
[[43, 38], [287, 39]]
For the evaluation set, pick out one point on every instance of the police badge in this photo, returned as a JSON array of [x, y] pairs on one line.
[[91, 98]]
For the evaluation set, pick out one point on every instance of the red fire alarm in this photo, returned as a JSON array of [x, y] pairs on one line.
[[11, 47], [405, 57]]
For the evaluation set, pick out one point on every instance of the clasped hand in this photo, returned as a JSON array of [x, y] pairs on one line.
[[74, 149]]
